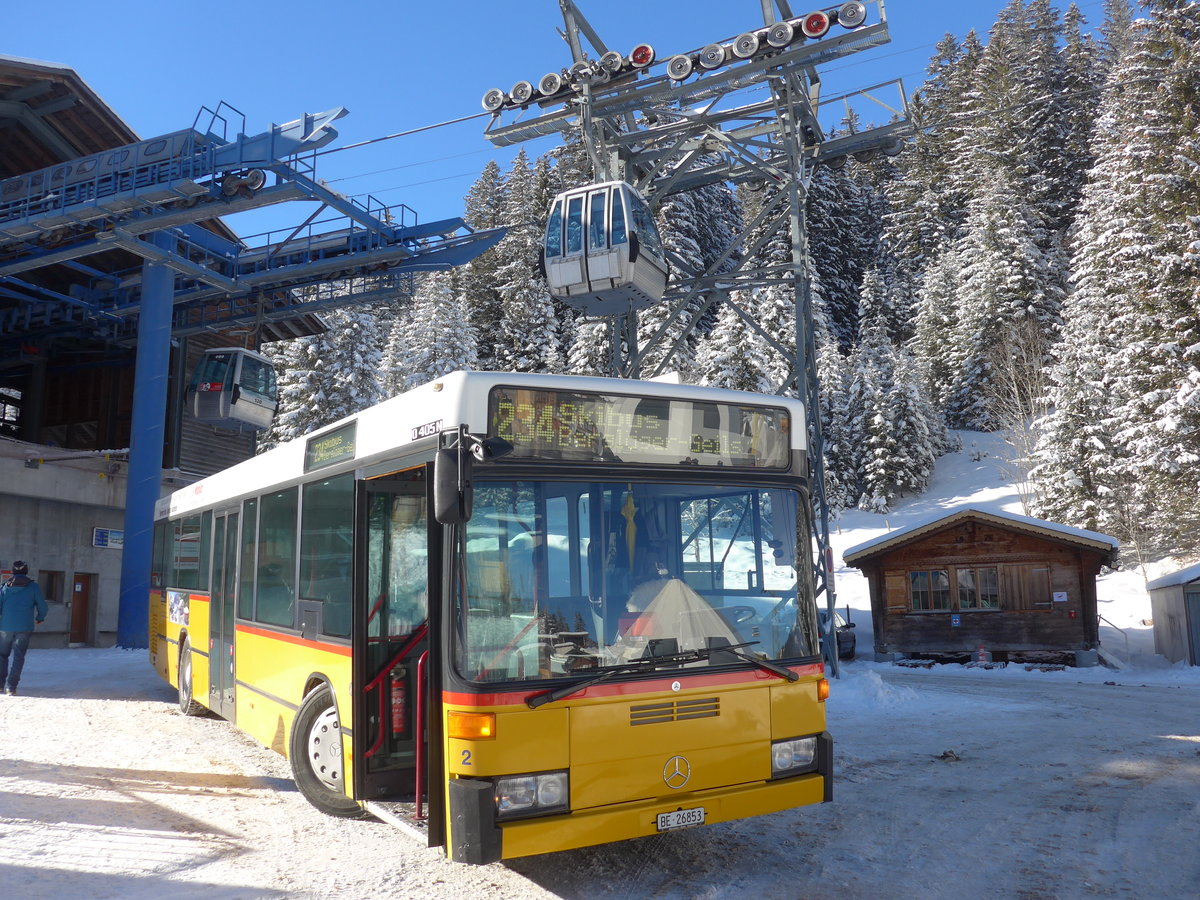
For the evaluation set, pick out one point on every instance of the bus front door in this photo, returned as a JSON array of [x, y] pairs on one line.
[[391, 625], [221, 619]]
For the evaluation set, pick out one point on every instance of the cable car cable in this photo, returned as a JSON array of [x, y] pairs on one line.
[[388, 137]]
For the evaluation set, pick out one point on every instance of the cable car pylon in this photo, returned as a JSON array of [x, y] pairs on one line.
[[741, 110]]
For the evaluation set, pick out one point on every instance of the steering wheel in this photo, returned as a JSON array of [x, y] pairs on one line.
[[740, 615]]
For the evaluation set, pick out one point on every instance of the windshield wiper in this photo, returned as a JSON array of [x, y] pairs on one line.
[[763, 664], [652, 662]]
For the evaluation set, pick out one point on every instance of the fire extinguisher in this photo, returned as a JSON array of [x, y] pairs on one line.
[[399, 702]]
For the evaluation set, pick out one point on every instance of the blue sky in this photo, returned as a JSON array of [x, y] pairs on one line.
[[402, 65]]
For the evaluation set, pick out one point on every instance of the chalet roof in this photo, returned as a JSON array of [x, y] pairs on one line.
[[1040, 527], [1183, 576]]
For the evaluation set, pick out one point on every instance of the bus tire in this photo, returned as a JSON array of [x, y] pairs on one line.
[[315, 752], [187, 703]]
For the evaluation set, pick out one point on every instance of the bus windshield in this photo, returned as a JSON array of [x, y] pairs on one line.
[[570, 578]]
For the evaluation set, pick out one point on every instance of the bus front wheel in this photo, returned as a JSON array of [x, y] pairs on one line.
[[187, 704], [315, 752]]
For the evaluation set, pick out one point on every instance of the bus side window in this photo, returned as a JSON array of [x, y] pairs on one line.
[[326, 542], [248, 564], [554, 232], [276, 558]]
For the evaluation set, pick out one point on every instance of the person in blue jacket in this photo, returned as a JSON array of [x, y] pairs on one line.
[[20, 601]]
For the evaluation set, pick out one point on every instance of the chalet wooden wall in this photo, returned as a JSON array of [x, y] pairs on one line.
[[1046, 592]]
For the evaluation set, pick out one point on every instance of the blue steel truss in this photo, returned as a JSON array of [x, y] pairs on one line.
[[148, 198]]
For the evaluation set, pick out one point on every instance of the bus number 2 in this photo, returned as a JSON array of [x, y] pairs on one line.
[[466, 760]]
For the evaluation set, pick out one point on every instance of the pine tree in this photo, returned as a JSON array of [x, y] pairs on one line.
[[438, 337], [1003, 280], [484, 209], [527, 336], [679, 223], [932, 345], [731, 358], [1119, 450], [328, 376]]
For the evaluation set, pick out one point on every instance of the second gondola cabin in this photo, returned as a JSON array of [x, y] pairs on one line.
[[602, 251], [232, 387]]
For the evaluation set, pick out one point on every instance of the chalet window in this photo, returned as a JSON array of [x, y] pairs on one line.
[[978, 588], [929, 590], [1035, 591]]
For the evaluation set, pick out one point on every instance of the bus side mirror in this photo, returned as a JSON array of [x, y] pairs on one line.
[[452, 487], [635, 246], [541, 265]]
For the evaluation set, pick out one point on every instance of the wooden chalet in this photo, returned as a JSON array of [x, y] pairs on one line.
[[973, 582]]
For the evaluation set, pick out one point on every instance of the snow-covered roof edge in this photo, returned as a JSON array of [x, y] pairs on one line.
[[899, 535], [1183, 576]]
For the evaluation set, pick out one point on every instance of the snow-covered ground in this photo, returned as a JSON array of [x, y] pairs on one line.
[[951, 782]]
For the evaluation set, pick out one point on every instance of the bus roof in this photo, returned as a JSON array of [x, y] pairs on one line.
[[456, 398]]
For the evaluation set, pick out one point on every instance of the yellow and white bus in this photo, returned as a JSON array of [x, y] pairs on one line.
[[523, 613]]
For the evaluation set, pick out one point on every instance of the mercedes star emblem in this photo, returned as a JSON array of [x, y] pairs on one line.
[[676, 772]]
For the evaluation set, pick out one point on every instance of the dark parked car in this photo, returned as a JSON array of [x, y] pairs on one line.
[[844, 630]]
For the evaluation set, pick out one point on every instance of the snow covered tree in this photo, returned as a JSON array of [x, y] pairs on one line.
[[435, 338], [484, 209], [526, 339], [731, 356], [1119, 450], [1002, 280], [328, 376]]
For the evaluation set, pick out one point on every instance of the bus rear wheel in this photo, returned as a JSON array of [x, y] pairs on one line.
[[315, 752], [187, 704]]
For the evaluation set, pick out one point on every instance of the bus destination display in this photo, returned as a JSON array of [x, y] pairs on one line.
[[568, 425]]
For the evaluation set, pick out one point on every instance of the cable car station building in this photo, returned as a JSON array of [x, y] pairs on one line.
[[130, 317]]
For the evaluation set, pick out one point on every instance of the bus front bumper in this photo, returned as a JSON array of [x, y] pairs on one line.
[[605, 824]]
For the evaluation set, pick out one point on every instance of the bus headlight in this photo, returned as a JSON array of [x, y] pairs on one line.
[[793, 756], [531, 795]]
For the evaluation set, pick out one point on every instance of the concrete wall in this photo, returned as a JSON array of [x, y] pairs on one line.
[[47, 513]]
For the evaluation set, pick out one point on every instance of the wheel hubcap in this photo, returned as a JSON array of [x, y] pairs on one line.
[[325, 750]]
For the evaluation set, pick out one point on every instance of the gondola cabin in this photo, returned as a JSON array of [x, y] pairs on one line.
[[233, 388], [602, 252]]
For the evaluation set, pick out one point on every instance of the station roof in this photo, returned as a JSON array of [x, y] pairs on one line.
[[49, 114]]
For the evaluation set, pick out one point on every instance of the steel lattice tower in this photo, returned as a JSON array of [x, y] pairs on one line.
[[744, 111]]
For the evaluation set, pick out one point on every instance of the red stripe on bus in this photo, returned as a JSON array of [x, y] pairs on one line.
[[340, 649], [518, 696]]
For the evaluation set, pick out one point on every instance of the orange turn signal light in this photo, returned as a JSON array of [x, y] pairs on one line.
[[471, 726], [823, 690]]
